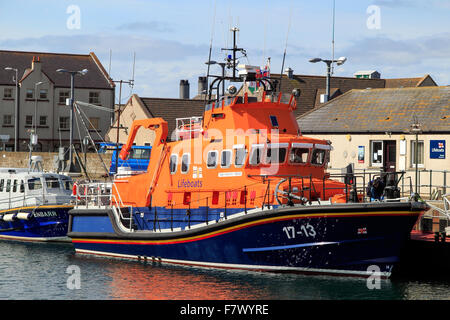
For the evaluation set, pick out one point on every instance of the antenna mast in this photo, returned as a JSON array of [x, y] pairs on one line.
[[232, 59], [332, 39]]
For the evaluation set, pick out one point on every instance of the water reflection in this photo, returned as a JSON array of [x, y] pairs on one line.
[[38, 271], [134, 280]]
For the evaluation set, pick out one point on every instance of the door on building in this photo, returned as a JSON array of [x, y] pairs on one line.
[[389, 165], [389, 152]]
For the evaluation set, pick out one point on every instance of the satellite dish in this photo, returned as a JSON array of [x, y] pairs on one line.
[[232, 89]]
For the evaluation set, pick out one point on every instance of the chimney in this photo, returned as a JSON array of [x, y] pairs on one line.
[[184, 89], [290, 73], [36, 64], [202, 85]]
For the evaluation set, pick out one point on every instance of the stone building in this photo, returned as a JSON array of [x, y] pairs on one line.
[[43, 93]]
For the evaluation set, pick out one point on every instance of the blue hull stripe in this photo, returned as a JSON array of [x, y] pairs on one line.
[[302, 245]]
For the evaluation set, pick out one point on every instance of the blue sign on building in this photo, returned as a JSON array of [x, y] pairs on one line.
[[437, 149]]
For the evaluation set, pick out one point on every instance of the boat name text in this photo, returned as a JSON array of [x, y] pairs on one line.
[[40, 214]]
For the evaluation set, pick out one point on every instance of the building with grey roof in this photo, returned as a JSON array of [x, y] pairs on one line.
[[373, 130], [42, 98]]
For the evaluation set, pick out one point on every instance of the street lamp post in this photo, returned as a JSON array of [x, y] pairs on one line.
[[339, 62], [72, 100], [416, 128], [16, 109], [34, 129]]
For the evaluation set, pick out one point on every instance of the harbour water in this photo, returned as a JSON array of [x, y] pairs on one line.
[[38, 271]]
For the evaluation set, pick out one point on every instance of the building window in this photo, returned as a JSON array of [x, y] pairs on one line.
[[30, 93], [64, 122], [376, 153], [63, 95], [7, 93], [7, 119], [93, 123], [28, 120], [94, 97], [420, 155], [43, 120], [43, 94]]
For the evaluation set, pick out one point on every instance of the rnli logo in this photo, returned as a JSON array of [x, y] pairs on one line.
[[187, 183]]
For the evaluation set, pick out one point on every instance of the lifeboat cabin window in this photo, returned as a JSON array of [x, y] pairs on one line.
[[276, 153], [185, 162], [173, 163], [225, 160], [319, 154], [8, 185], [14, 186], [239, 155], [34, 184], [300, 153], [211, 161], [2, 183], [256, 154], [22, 186]]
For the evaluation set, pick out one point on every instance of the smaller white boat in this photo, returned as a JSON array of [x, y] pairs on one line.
[[34, 204]]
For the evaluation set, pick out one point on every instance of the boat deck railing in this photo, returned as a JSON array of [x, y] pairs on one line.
[[224, 203], [99, 195]]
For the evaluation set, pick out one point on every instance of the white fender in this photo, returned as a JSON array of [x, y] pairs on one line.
[[24, 215], [9, 217]]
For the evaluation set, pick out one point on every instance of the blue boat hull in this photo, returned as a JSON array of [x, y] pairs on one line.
[[324, 239], [43, 223]]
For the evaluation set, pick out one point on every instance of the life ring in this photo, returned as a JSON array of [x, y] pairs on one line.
[[287, 195], [75, 191]]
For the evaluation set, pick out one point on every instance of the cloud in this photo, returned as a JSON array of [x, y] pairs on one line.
[[413, 3], [395, 3], [154, 49], [404, 52], [160, 63], [146, 26], [402, 57]]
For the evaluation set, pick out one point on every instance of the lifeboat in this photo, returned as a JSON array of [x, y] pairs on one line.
[[242, 188]]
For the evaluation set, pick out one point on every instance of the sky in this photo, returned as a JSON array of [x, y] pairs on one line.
[[171, 40]]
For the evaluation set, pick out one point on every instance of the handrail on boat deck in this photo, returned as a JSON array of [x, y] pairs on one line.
[[98, 195]]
